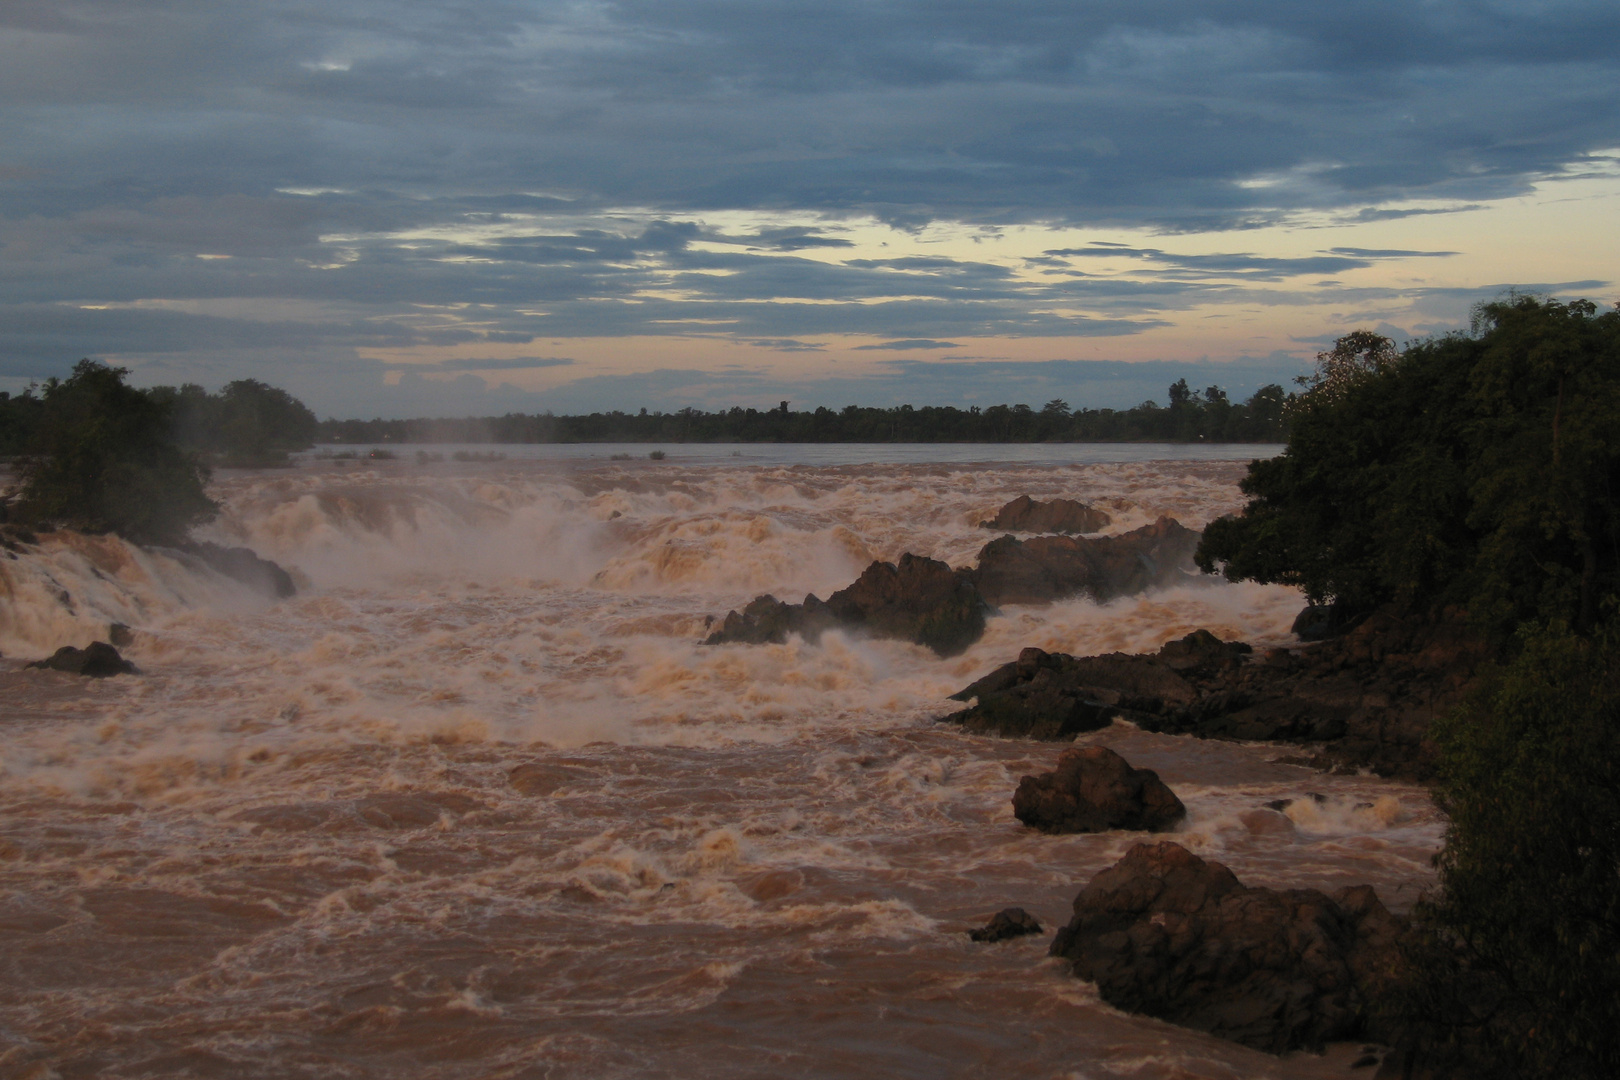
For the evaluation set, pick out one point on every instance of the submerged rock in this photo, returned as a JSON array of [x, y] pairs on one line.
[[1095, 790], [98, 660], [1165, 933], [1046, 568], [1007, 923], [918, 600], [1024, 514]]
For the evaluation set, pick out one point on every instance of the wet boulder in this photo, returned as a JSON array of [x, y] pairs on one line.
[[1024, 514], [766, 620], [1054, 696], [1093, 789], [1007, 923], [1047, 568], [98, 660], [1165, 933], [243, 565], [1202, 653], [917, 599], [1318, 622]]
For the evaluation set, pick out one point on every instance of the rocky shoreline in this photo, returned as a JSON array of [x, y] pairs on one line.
[[1362, 700]]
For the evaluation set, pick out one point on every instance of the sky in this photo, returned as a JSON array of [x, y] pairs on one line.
[[472, 207]]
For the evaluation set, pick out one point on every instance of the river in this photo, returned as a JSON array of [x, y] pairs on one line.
[[477, 804]]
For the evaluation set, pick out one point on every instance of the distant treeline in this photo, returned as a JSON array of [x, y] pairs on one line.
[[1190, 417]]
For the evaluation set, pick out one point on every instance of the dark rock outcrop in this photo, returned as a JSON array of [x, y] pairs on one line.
[[1046, 568], [1364, 699], [1165, 933], [925, 601], [1024, 514], [1007, 923], [1094, 790], [98, 660], [16, 539], [243, 565], [919, 600], [1318, 622], [1054, 696]]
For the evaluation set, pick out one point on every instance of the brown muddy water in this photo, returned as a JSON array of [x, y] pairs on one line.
[[475, 803]]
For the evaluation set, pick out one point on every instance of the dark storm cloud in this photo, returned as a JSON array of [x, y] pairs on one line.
[[399, 174]]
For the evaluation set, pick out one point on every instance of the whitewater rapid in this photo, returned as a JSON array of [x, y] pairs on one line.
[[476, 802]]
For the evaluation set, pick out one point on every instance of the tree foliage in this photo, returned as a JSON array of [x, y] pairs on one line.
[[1483, 470], [247, 424], [1478, 469], [101, 458], [1517, 969]]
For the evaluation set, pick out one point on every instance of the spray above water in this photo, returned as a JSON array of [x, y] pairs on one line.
[[478, 786]]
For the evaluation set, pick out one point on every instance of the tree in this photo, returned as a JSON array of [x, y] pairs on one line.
[[1477, 470], [102, 458], [1515, 971], [258, 424]]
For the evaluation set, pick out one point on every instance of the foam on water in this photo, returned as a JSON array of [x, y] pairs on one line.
[[476, 801]]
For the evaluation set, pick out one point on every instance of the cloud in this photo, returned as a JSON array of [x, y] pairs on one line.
[[1390, 253], [508, 363], [223, 182], [911, 343], [787, 345], [1237, 264]]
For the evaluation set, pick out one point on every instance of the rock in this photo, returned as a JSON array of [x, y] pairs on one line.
[[1007, 923], [1052, 696], [925, 601], [1202, 653], [918, 600], [1165, 933], [15, 538], [1046, 568], [243, 565], [1095, 790], [120, 635], [1024, 514], [1363, 700], [98, 660], [1318, 622], [766, 620]]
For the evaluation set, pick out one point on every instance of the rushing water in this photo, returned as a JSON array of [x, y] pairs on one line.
[[476, 804]]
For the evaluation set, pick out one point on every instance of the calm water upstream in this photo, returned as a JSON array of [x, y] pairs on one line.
[[475, 803]]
